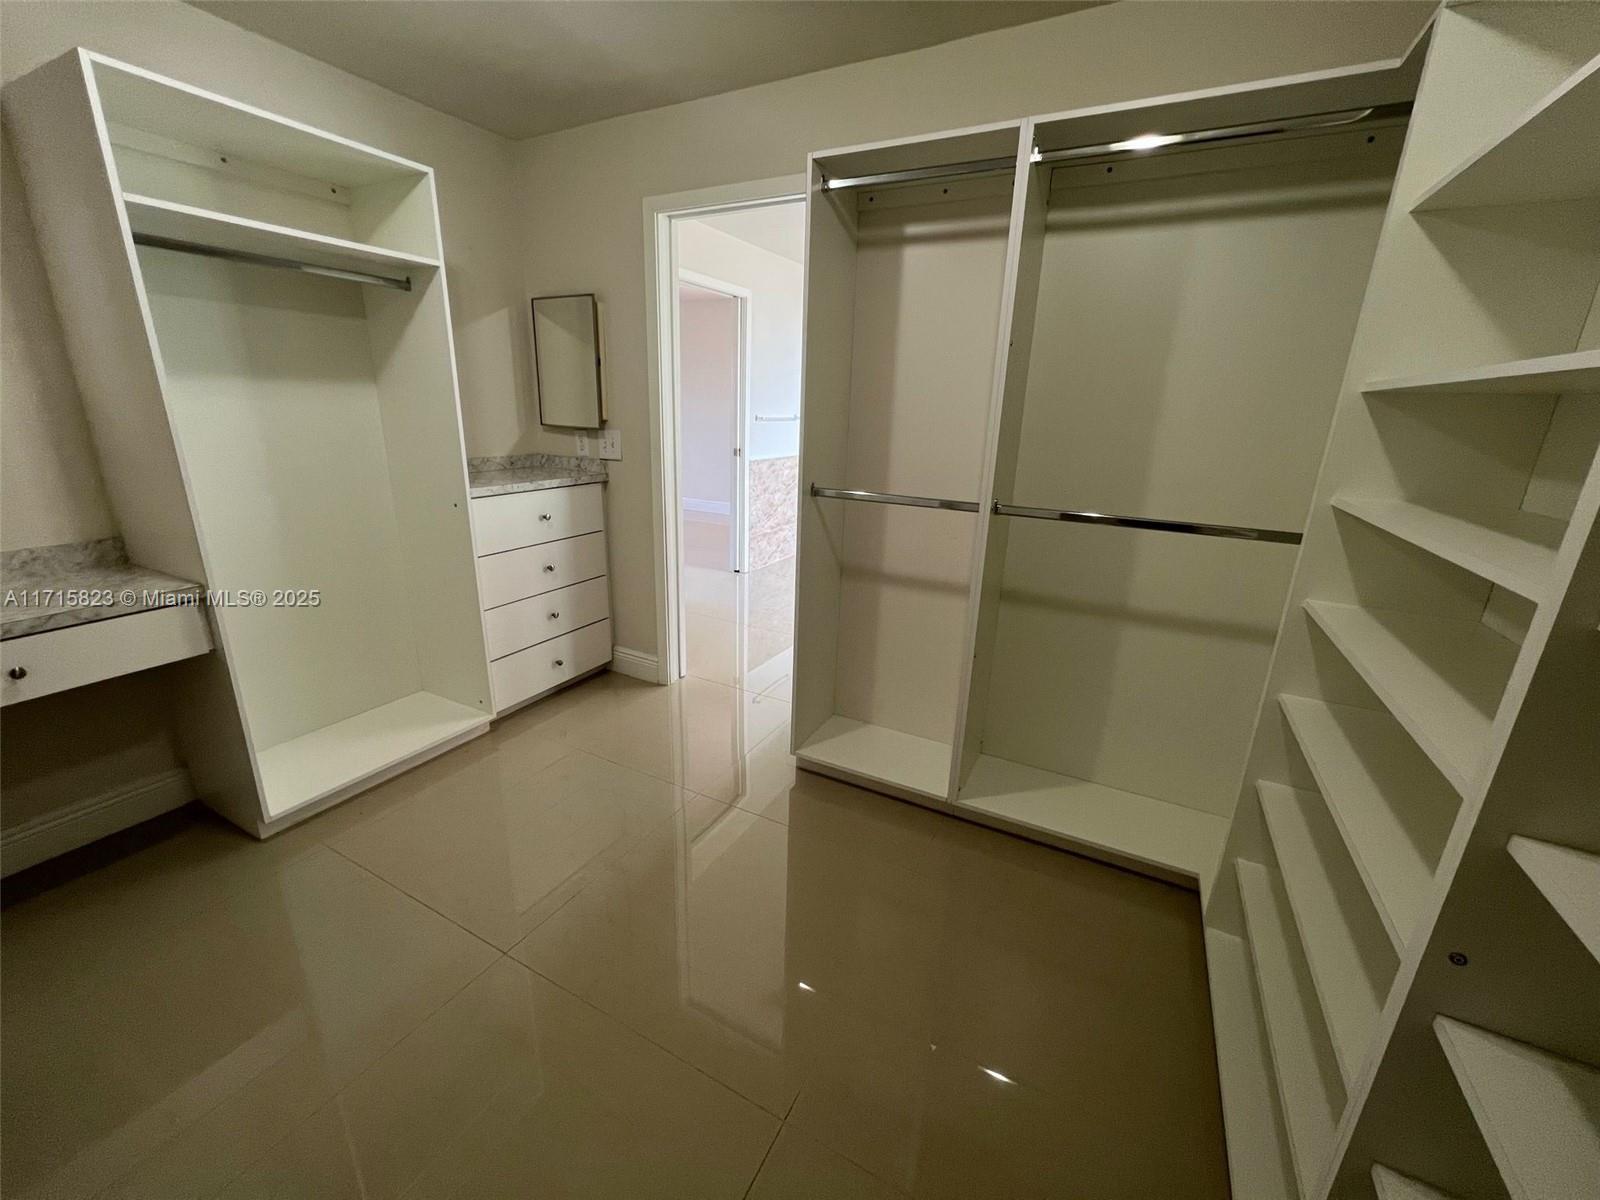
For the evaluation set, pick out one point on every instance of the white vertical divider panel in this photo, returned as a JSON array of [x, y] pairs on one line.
[[64, 151], [1014, 350], [829, 321], [414, 360]]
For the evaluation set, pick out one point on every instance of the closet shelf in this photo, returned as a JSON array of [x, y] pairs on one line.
[[1258, 1150], [1539, 158], [184, 222], [1535, 1111], [1441, 678], [361, 750], [1392, 807], [1104, 820], [1307, 1076], [1391, 1185], [1510, 547], [1549, 375], [1338, 945], [1569, 879], [881, 755]]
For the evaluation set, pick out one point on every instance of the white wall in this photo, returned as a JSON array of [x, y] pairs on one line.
[[581, 191], [776, 285], [708, 371]]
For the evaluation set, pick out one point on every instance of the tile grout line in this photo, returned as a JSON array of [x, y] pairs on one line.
[[360, 866], [760, 1166]]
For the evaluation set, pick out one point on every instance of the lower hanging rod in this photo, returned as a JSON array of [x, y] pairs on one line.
[[823, 493], [1247, 533], [399, 283]]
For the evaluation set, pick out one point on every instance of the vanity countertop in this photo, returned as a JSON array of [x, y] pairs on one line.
[[56, 587], [530, 473]]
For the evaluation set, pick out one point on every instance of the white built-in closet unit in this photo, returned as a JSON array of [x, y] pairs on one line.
[[1404, 942], [1058, 331], [269, 431], [905, 295]]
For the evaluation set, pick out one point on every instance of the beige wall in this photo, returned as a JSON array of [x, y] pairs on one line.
[[581, 191], [51, 490]]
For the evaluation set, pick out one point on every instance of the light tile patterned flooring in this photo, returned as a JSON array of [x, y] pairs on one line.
[[617, 947]]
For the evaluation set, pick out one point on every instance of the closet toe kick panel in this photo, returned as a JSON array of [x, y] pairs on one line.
[[258, 319]]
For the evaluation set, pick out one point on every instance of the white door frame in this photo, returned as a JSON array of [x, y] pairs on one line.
[[661, 337], [741, 296]]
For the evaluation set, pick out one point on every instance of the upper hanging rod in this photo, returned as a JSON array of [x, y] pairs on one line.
[[402, 283], [1229, 133], [1247, 533], [1144, 143]]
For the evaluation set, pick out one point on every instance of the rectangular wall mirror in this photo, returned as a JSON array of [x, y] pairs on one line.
[[566, 353]]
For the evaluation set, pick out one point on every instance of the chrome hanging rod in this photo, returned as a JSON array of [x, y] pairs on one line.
[[401, 283], [1145, 143], [1247, 533], [1142, 144], [790, 417], [823, 493], [1244, 532], [980, 166]]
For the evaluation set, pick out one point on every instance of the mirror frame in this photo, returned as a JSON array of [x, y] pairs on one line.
[[599, 377]]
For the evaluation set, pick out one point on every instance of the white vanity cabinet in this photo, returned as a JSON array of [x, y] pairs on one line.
[[546, 598]]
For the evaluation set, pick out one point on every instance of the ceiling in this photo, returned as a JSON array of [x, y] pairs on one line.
[[532, 67], [780, 228]]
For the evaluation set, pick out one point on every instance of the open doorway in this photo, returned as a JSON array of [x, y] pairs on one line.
[[734, 398]]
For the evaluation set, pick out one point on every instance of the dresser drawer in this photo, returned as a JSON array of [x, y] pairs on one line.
[[59, 659], [532, 570], [549, 664], [524, 623], [529, 518]]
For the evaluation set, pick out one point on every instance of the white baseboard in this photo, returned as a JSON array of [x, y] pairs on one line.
[[79, 824], [718, 508], [635, 664]]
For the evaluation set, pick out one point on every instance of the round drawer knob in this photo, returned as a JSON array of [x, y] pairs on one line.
[[544, 516], [18, 672], [561, 662], [549, 568]]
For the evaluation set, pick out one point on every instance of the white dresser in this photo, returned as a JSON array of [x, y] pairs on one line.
[[542, 577]]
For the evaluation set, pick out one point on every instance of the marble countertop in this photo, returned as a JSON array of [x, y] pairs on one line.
[[530, 473], [56, 587]]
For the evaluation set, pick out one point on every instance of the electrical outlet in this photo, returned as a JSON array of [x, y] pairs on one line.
[[582, 440], [611, 442]]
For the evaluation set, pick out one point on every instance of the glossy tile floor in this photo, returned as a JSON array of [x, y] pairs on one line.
[[618, 947]]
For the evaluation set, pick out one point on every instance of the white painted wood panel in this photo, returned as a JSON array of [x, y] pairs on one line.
[[1569, 879], [876, 754], [1389, 802], [333, 757], [1307, 1074], [1441, 679], [1259, 1161], [168, 219], [1131, 829], [1536, 1111], [59, 659], [1546, 154], [1351, 960], [1391, 1185], [536, 670], [529, 571], [1550, 374], [501, 523], [524, 623]]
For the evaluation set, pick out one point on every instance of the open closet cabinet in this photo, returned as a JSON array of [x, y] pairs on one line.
[[1035, 327], [257, 317], [1404, 942]]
